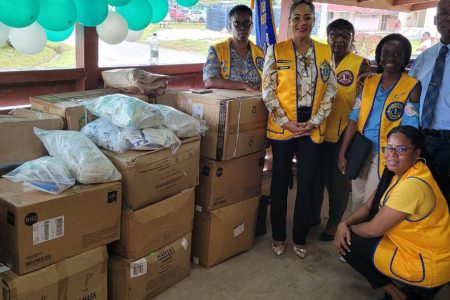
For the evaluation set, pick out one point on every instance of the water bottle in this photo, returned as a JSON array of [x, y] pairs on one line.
[[154, 49]]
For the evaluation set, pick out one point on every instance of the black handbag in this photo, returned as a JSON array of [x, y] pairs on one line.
[[357, 154]]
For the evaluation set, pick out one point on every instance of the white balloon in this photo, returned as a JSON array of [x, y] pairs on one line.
[[29, 40], [134, 36], [114, 29], [4, 32]]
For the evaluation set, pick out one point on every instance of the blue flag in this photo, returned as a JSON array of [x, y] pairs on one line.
[[264, 23]]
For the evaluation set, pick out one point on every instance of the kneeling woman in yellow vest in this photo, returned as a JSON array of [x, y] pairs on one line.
[[299, 85], [236, 63], [388, 100], [403, 232]]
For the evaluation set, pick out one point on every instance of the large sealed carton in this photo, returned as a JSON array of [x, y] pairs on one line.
[[150, 176], [226, 182], [39, 229], [224, 232], [146, 230], [149, 276], [69, 106], [236, 121], [81, 277], [18, 143]]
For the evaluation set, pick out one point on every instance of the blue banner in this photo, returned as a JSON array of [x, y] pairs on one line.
[[265, 29]]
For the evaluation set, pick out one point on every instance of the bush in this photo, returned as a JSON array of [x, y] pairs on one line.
[[366, 43]]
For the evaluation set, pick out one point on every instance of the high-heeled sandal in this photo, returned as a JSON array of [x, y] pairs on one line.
[[278, 250], [300, 252]]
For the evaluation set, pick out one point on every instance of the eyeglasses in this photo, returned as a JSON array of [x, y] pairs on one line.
[[342, 35], [243, 24], [399, 150]]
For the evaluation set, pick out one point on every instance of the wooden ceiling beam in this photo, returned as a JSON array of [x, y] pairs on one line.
[[426, 5], [408, 2]]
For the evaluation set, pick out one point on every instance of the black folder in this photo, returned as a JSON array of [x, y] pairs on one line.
[[357, 154]]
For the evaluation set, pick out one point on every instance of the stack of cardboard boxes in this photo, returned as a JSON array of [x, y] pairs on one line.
[[53, 246], [154, 249], [231, 166]]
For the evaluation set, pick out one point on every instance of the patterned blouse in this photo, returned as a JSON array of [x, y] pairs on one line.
[[305, 74], [241, 69]]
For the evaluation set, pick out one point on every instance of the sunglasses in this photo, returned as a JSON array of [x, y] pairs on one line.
[[342, 35], [243, 24]]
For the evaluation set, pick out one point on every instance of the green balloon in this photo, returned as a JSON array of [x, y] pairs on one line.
[[138, 14], [187, 3], [91, 13], [160, 9], [57, 15], [118, 2], [19, 13], [58, 36]]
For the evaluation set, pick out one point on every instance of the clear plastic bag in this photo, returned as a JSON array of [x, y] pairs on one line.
[[108, 136], [48, 174], [181, 124], [83, 158], [125, 111]]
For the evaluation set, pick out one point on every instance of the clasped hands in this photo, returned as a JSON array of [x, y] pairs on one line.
[[299, 129]]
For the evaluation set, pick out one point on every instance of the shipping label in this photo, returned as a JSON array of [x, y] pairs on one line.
[[239, 229], [48, 230], [138, 268]]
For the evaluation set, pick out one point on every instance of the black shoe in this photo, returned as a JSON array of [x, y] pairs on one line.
[[326, 237]]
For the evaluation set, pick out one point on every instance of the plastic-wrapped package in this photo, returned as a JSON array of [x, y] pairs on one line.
[[48, 174], [181, 124], [108, 136], [125, 111], [83, 158]]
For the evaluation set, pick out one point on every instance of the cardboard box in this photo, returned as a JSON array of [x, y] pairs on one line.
[[150, 176], [80, 277], [146, 230], [236, 119], [149, 276], [226, 182], [69, 106], [38, 229], [18, 141], [224, 232]]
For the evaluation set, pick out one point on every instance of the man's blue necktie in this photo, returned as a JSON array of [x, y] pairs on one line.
[[433, 88]]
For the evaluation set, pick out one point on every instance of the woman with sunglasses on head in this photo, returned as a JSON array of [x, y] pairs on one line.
[[299, 86], [349, 67], [235, 63], [387, 100], [403, 231]]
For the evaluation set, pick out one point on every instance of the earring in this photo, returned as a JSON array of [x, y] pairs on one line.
[[418, 159]]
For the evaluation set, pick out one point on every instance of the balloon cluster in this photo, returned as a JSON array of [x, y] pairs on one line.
[[28, 24]]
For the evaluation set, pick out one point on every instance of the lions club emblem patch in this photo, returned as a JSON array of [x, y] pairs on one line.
[[259, 63], [345, 78], [394, 111], [325, 70]]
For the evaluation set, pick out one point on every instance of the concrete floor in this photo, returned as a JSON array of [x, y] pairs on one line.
[[259, 274]]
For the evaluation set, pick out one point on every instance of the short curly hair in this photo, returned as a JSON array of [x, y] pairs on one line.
[[241, 8], [405, 46]]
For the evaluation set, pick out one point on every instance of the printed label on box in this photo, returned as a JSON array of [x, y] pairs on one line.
[[239, 229], [48, 230], [138, 268], [197, 110]]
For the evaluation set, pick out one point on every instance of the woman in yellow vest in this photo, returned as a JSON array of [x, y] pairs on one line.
[[387, 100], [298, 90], [403, 231], [349, 67], [235, 63]]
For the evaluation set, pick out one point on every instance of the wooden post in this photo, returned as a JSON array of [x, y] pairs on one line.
[[87, 57]]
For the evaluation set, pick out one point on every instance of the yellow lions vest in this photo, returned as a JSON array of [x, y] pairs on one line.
[[286, 61], [224, 54], [416, 252], [392, 111], [346, 74]]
